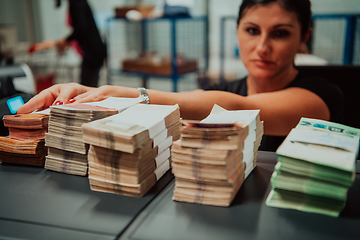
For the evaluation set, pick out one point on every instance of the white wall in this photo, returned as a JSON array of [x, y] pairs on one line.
[[219, 9], [335, 6], [13, 12], [51, 20]]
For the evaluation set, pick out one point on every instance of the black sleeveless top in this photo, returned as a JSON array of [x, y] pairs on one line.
[[326, 90]]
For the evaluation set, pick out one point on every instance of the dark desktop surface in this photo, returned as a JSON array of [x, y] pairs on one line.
[[39, 204], [247, 218]]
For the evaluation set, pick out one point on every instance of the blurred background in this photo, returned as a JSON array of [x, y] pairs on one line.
[[183, 51]]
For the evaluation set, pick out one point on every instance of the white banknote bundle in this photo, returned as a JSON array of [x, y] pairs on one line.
[[130, 151], [214, 157]]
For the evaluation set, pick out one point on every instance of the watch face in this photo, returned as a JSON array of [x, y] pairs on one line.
[[14, 103], [144, 95]]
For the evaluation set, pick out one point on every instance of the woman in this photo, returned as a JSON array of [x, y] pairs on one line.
[[270, 33]]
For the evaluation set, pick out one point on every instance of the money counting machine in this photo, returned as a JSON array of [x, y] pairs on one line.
[[16, 87]]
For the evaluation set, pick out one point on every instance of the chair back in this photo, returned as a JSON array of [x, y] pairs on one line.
[[347, 79]]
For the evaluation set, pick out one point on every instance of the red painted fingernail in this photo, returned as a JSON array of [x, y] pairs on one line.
[[72, 100], [58, 103]]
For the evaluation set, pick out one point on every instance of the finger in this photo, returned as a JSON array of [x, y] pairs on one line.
[[83, 95], [66, 93], [93, 96], [58, 94], [44, 99], [89, 98], [40, 101]]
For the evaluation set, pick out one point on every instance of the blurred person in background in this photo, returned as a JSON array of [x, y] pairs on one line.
[[84, 38]]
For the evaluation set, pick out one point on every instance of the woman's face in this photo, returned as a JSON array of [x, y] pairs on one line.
[[269, 37]]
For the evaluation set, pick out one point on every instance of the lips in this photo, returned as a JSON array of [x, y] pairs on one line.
[[262, 63]]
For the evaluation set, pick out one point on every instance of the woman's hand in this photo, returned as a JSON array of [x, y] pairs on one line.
[[41, 46], [56, 95], [61, 46], [105, 91]]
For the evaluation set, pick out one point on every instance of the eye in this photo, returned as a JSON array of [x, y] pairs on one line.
[[253, 31], [280, 33]]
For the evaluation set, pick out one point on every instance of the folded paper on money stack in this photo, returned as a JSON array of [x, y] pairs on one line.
[[213, 158], [25, 144], [315, 169], [325, 126], [67, 150], [130, 151]]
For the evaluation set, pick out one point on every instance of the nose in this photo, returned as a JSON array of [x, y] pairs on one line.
[[263, 47]]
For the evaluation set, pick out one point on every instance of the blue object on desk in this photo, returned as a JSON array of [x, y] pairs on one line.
[[14, 103]]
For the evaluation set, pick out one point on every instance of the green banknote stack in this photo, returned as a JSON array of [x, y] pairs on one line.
[[130, 151], [316, 167], [214, 157]]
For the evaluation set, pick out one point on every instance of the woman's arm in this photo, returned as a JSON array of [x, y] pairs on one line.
[[280, 110]]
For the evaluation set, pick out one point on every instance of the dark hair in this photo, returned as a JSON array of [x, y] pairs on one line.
[[302, 9]]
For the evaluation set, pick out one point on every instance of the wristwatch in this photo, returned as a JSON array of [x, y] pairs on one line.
[[145, 96]]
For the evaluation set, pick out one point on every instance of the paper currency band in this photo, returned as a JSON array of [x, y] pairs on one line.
[[145, 96]]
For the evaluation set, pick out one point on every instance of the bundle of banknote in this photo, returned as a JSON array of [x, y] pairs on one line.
[[25, 143], [27, 152], [131, 174], [27, 121], [130, 151], [132, 128], [315, 169], [27, 126], [250, 118], [67, 150], [214, 157]]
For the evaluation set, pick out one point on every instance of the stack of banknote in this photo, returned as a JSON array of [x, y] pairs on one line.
[[130, 151], [67, 150], [214, 157], [315, 169], [25, 143], [27, 126]]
